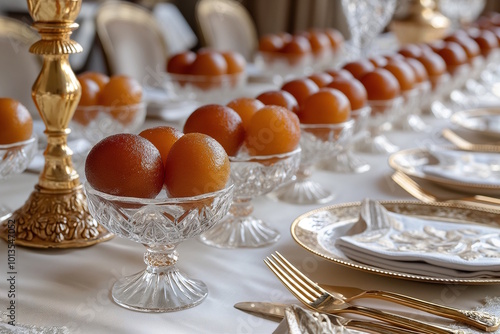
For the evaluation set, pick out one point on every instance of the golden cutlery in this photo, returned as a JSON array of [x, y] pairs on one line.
[[481, 320], [466, 145], [277, 311], [315, 297], [414, 189]]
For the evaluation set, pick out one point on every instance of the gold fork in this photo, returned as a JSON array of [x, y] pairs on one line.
[[466, 145], [414, 189], [315, 297]]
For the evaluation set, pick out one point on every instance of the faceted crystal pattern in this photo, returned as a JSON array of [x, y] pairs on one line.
[[15, 158], [256, 176], [155, 221], [320, 141], [97, 122]]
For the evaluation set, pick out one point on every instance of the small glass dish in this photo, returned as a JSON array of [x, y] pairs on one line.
[[407, 119], [317, 141], [383, 114], [204, 88], [283, 65], [252, 176], [345, 161], [94, 123], [159, 224], [14, 159]]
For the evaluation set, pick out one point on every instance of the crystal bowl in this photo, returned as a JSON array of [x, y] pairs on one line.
[[204, 88], [14, 159], [252, 176], [317, 141], [345, 161], [384, 112], [94, 123], [159, 224]]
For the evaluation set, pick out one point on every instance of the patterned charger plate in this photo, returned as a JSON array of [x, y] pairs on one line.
[[317, 230]]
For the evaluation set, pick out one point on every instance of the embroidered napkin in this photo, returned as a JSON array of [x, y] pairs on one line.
[[420, 246], [469, 167]]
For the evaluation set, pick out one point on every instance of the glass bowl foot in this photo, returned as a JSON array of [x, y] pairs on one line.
[[240, 232], [346, 162], [303, 192], [378, 144], [158, 290]]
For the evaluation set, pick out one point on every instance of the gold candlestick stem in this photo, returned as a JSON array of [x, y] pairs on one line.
[[56, 214]]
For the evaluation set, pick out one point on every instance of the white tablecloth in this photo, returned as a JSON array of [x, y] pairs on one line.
[[72, 287]]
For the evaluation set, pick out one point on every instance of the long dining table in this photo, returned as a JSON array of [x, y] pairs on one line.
[[70, 288]]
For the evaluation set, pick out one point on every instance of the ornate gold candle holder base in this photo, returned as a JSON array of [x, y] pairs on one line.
[[52, 219]]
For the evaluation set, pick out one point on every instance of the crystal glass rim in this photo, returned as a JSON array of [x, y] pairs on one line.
[[221, 78], [18, 144], [160, 201], [384, 103], [335, 126], [256, 158], [361, 110], [102, 108], [283, 55], [411, 92]]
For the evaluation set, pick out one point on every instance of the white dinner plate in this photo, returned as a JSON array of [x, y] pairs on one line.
[[482, 121], [412, 162], [318, 230]]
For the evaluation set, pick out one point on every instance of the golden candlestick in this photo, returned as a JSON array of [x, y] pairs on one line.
[[56, 214]]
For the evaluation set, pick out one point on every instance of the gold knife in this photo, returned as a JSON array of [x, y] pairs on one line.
[[277, 311], [481, 320]]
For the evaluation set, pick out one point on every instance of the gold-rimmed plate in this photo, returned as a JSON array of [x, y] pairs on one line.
[[318, 230], [483, 121], [412, 162]]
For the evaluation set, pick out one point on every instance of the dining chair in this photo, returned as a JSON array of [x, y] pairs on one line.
[[19, 68], [132, 41], [227, 25]]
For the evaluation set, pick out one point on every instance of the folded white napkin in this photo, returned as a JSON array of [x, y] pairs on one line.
[[420, 246], [470, 167]]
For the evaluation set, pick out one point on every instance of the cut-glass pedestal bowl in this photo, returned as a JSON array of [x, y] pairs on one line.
[[383, 114], [318, 141], [346, 161], [252, 176], [94, 123], [14, 159], [159, 224]]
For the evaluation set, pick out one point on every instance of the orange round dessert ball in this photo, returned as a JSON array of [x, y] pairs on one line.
[[121, 90], [180, 63], [300, 89], [453, 55], [298, 45], [125, 165], [273, 130], [209, 63], [321, 79], [219, 122], [162, 137], [270, 43], [403, 73], [486, 40], [469, 45], [380, 84], [335, 37], [16, 123], [90, 92], [353, 90], [327, 106], [359, 67], [433, 63], [419, 70], [319, 41], [99, 78], [197, 164], [342, 73], [246, 107], [279, 98], [235, 62]]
